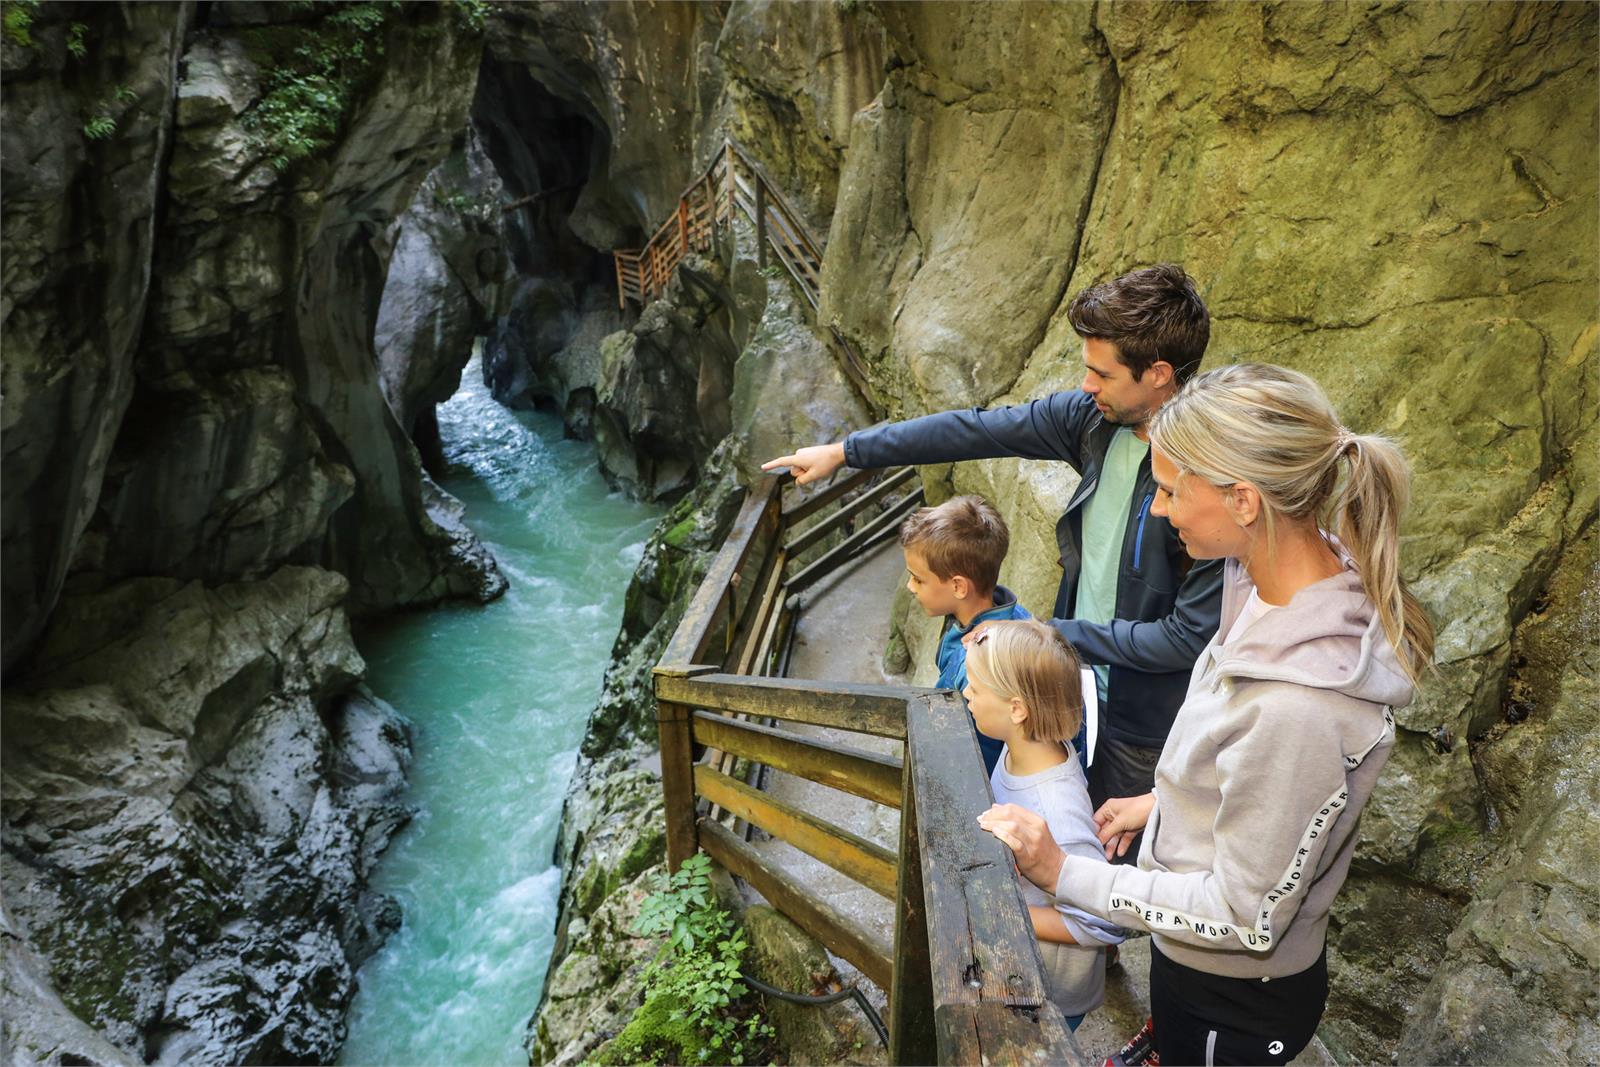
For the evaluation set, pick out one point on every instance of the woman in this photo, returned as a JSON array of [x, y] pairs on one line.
[[1285, 725]]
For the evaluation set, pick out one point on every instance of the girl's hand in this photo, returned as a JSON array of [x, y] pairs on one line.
[[1120, 819]]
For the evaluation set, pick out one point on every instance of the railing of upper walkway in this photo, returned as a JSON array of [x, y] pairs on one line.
[[963, 974], [732, 180]]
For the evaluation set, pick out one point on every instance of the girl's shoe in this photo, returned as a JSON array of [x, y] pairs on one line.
[[1138, 1052]]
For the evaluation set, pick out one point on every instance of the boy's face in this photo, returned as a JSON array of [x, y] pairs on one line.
[[994, 714], [936, 595]]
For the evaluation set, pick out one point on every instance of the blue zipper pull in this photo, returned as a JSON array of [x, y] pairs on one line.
[[1138, 536]]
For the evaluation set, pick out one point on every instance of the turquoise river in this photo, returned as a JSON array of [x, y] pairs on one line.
[[499, 696]]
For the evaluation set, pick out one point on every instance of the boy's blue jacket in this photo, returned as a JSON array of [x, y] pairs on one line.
[[1167, 605], [952, 658]]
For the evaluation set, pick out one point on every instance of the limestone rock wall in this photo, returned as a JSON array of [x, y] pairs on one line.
[[216, 364], [192, 804], [202, 475], [80, 224]]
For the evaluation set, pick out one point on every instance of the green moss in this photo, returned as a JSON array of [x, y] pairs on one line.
[[678, 536], [657, 1033], [647, 850], [592, 890]]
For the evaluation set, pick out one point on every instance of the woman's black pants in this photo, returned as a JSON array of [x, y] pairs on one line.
[[1207, 1019]]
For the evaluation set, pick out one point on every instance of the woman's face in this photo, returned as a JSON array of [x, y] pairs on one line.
[[1205, 517]]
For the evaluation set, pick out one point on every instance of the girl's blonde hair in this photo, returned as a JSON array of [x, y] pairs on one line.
[[1274, 428], [1031, 661]]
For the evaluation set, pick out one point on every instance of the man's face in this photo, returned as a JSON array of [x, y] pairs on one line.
[[1120, 398]]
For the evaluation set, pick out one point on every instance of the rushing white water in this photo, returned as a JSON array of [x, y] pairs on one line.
[[499, 695]]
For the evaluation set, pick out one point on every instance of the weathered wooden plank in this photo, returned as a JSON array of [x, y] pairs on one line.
[[816, 532], [991, 1033], [766, 611], [981, 945], [842, 934], [862, 774], [755, 522], [853, 856], [824, 564], [911, 1021], [807, 506], [866, 709], [777, 197], [677, 781]]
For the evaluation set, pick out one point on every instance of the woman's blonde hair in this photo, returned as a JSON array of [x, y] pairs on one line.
[[1274, 428], [1031, 661]]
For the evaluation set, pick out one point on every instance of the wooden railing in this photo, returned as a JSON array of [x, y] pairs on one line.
[[963, 974], [732, 180]]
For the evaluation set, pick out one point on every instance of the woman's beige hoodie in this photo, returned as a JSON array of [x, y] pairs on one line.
[[1260, 785]]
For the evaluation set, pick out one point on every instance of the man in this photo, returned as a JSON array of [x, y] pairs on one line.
[[1131, 601]]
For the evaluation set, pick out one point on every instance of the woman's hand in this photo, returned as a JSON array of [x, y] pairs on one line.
[[1039, 858], [1120, 819]]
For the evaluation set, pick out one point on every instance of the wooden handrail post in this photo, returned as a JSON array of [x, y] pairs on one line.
[[761, 222], [622, 296], [911, 1030], [683, 227], [677, 781]]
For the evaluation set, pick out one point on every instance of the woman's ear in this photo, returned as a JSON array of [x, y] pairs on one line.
[[1244, 500]]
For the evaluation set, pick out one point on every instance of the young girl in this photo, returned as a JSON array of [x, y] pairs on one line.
[[1022, 689], [1251, 827]]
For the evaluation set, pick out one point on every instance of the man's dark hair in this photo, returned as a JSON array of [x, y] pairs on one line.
[[1149, 314]]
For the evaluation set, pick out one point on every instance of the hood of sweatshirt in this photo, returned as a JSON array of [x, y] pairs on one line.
[[1328, 636]]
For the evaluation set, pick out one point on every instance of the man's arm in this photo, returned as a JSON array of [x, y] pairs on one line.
[[1170, 643], [1048, 428]]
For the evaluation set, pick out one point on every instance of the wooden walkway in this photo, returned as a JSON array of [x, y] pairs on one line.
[[962, 967], [731, 181]]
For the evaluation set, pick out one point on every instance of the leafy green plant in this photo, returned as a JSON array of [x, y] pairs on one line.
[[16, 21], [473, 14], [696, 1007], [102, 120], [75, 43], [99, 127], [311, 73]]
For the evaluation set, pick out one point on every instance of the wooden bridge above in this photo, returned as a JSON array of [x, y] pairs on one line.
[[732, 181]]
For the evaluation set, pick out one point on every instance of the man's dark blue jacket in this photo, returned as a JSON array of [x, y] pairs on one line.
[[1167, 605]]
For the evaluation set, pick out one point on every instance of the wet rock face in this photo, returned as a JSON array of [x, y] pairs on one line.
[[1531, 934], [193, 802], [80, 227], [444, 284], [232, 420]]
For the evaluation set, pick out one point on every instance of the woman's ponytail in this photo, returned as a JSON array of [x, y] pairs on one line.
[[1367, 514]]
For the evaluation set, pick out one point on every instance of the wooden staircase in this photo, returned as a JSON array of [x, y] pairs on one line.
[[731, 181]]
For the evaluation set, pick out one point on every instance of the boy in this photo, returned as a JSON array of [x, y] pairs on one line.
[[953, 556], [1023, 690]]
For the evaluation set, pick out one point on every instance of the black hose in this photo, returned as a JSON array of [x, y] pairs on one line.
[[851, 992]]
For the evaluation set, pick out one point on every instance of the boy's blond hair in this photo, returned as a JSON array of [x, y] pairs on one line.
[[1030, 660], [964, 536]]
